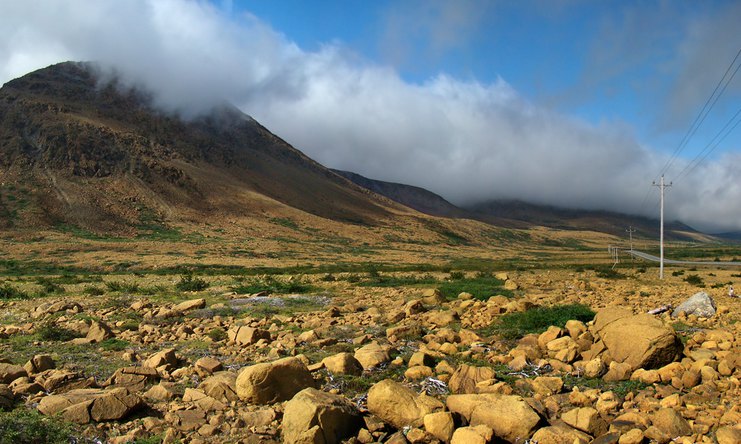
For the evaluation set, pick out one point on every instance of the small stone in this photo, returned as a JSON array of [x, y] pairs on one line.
[[440, 425], [632, 436]]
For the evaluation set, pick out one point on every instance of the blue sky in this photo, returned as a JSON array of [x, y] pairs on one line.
[[574, 103], [601, 61]]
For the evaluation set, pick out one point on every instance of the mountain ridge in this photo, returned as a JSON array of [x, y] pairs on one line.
[[95, 154]]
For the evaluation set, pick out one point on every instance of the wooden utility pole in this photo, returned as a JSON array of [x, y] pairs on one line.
[[662, 186], [630, 231]]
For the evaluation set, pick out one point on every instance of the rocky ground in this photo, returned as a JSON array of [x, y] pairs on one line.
[[362, 364]]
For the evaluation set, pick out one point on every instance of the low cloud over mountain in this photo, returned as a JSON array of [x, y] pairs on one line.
[[465, 140]]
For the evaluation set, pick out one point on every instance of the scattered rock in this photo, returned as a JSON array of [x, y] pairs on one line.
[[84, 405], [98, 332], [221, 386], [372, 355], [398, 405], [700, 304], [192, 304], [242, 335], [510, 417], [641, 340], [166, 359], [466, 377], [276, 381], [440, 425], [314, 416], [10, 372], [343, 364]]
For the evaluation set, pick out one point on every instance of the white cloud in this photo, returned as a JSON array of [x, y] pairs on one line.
[[463, 139]]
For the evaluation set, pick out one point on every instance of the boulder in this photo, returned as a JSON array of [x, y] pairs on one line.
[[98, 332], [433, 296], [510, 417], [440, 425], [85, 405], [466, 377], [699, 304], [642, 341], [203, 401], [343, 364], [398, 405], [10, 372], [560, 434], [208, 365], [133, 378], [221, 386], [547, 385], [372, 354], [728, 435], [161, 393], [7, 397], [39, 363], [313, 416], [164, 358], [243, 335], [192, 304], [272, 382], [472, 435], [585, 419], [671, 423]]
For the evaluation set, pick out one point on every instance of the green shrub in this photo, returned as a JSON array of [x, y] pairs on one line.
[[189, 283], [217, 334], [23, 426], [457, 275], [481, 288], [695, 280], [49, 287], [92, 290], [537, 320], [114, 344], [678, 273], [608, 273], [124, 287], [51, 332], [7, 291]]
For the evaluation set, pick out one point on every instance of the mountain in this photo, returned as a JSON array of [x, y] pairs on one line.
[[578, 219], [519, 214], [417, 198], [77, 149]]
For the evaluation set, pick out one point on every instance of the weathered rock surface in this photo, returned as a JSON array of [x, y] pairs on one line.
[[343, 364], [313, 416], [373, 354], [398, 405], [510, 417], [639, 340], [243, 335], [700, 304], [276, 381], [10, 372], [84, 405], [466, 377]]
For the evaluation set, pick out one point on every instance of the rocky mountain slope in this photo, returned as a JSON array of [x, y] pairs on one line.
[[77, 150], [519, 214]]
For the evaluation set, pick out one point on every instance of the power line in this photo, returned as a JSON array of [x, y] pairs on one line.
[[711, 146], [703, 113]]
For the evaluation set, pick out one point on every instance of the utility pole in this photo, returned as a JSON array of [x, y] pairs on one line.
[[630, 231], [662, 186]]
